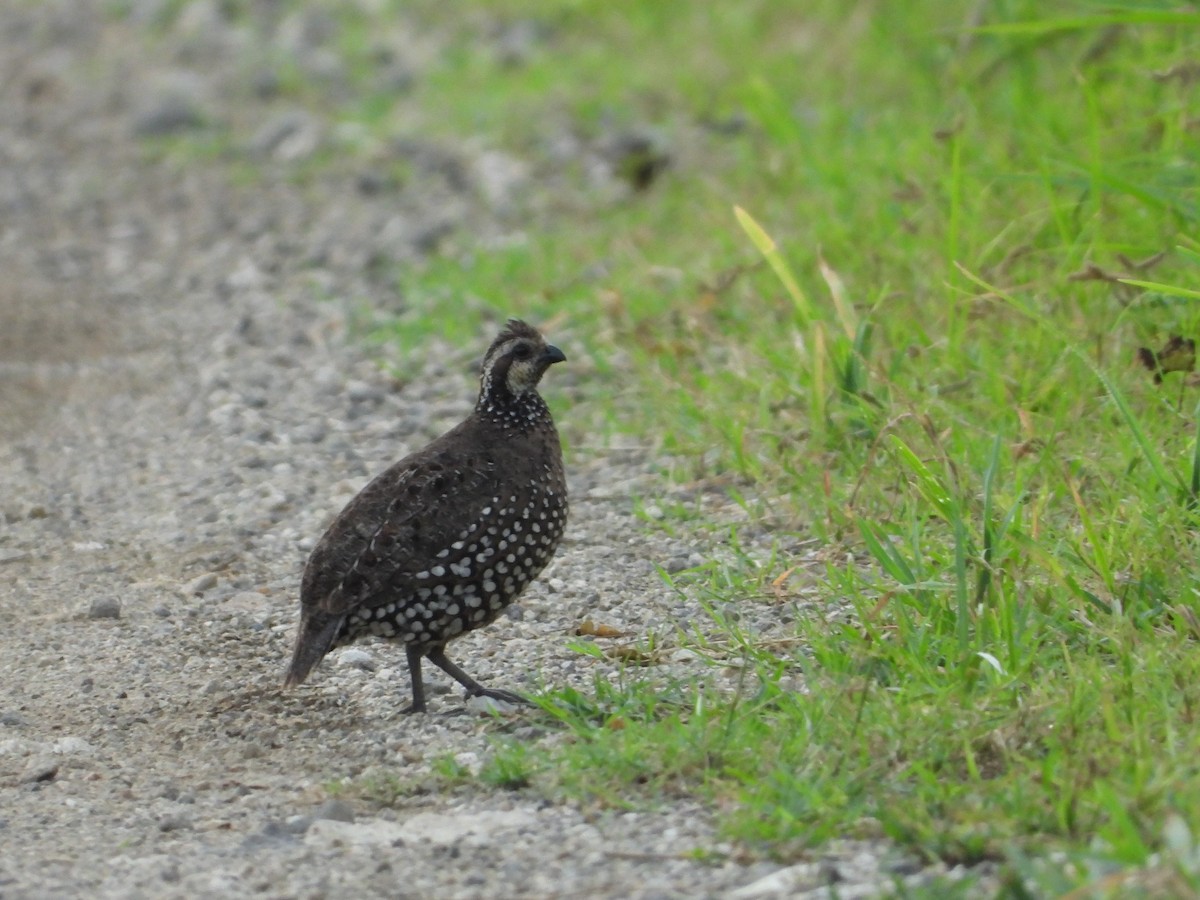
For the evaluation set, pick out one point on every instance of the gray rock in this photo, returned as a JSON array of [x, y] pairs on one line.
[[502, 179], [353, 657], [200, 584], [39, 769], [297, 824], [288, 137], [73, 745], [335, 810], [105, 608], [364, 392], [266, 84], [167, 115], [516, 42], [487, 706], [676, 564], [176, 821]]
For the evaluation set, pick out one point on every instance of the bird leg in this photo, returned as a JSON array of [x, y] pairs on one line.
[[418, 686], [474, 688]]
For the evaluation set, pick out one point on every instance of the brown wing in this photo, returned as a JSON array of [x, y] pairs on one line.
[[397, 524]]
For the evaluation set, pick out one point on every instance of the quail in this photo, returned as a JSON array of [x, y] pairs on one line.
[[442, 541]]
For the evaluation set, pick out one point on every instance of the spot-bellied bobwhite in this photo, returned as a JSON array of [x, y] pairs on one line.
[[446, 538]]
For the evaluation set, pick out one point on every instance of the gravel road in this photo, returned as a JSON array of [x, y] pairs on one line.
[[183, 407]]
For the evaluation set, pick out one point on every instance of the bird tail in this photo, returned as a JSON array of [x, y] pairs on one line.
[[313, 640]]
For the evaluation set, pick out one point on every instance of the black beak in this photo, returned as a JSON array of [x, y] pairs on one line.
[[552, 354]]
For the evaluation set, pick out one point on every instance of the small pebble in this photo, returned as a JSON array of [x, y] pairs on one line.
[[174, 822], [39, 769], [200, 584], [362, 392], [73, 745], [358, 659], [167, 115], [486, 706], [297, 824], [105, 608], [335, 810]]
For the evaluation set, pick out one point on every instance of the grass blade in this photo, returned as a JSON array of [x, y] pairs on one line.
[[769, 249]]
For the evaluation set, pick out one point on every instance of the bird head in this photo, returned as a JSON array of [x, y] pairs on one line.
[[515, 363]]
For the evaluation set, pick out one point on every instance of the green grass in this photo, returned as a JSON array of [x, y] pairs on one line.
[[917, 338]]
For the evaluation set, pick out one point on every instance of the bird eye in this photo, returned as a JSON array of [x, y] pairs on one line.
[[523, 351]]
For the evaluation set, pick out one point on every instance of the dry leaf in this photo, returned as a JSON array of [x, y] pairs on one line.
[[1026, 421], [777, 586], [588, 628], [1022, 449]]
